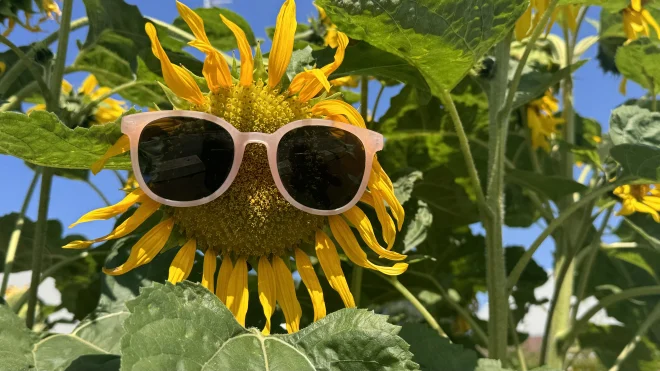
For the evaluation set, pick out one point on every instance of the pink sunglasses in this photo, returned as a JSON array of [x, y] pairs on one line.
[[189, 158]]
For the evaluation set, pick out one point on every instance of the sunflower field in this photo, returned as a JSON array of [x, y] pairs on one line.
[[438, 185]]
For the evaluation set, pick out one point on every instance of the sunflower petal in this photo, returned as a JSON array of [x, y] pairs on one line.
[[524, 24], [143, 212], [650, 20], [308, 276], [280, 54], [247, 62], [145, 249], [122, 145], [224, 275], [379, 185], [623, 86], [286, 295], [113, 210], [176, 77], [208, 270], [636, 5], [331, 265], [386, 222], [332, 107], [183, 262], [237, 293], [349, 244], [361, 222], [267, 290], [88, 85]]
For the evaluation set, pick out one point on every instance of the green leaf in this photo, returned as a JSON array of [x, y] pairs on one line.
[[586, 2], [638, 61], [635, 125], [442, 39], [552, 186], [363, 59], [638, 160], [15, 342], [220, 35], [608, 342], [535, 82], [433, 352], [186, 326], [42, 139], [490, 365], [42, 58]]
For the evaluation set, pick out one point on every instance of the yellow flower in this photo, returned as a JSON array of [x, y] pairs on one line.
[[532, 16], [331, 33], [643, 198], [251, 222], [47, 7], [108, 110], [541, 120], [636, 21]]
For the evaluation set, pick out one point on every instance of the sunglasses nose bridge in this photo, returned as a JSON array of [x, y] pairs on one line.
[[255, 137]]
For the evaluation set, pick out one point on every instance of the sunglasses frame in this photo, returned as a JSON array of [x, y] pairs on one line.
[[132, 126]]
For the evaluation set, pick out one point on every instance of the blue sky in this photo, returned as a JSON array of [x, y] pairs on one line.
[[596, 94]]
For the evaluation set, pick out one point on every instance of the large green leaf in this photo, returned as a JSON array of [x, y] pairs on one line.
[[551, 186], [534, 82], [187, 327], [442, 39], [42, 139], [366, 60], [608, 342], [635, 125], [15, 342], [220, 35], [433, 352], [41, 58], [638, 160], [638, 61]]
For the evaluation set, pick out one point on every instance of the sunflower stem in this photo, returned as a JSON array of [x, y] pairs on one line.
[[415, 302], [641, 332], [16, 234], [60, 58], [378, 96], [41, 229], [516, 341]]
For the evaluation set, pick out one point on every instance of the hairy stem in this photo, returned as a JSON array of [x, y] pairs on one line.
[[641, 332], [516, 340], [16, 233], [41, 229]]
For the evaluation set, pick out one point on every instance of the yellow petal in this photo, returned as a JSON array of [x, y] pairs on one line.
[[286, 295], [237, 292], [379, 182], [113, 210], [343, 234], [36, 107], [524, 24], [643, 208], [650, 20], [145, 249], [223, 278], [267, 291], [122, 145], [280, 53], [88, 85], [247, 61], [331, 265], [183, 262], [623, 86], [176, 77], [333, 107], [636, 5], [193, 21], [308, 276], [386, 222], [361, 222], [66, 87], [208, 271], [131, 223]]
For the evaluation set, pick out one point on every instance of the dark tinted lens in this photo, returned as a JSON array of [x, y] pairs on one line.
[[321, 167], [184, 158]]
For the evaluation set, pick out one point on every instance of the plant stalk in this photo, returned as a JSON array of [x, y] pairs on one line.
[[641, 332], [16, 234], [13, 73], [41, 229], [60, 58]]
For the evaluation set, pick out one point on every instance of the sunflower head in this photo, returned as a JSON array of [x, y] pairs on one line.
[[638, 21], [251, 222], [541, 120], [642, 198]]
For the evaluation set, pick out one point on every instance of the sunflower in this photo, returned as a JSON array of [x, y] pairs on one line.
[[636, 22], [532, 16], [642, 198], [108, 110], [541, 120], [49, 9], [251, 225]]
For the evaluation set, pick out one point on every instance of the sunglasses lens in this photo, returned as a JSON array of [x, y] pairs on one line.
[[185, 158], [321, 167]]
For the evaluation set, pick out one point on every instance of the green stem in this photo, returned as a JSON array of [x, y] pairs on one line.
[[121, 179], [556, 223], [641, 332], [466, 314], [17, 98], [98, 192], [16, 234], [41, 229], [498, 303], [118, 89], [585, 272], [448, 102], [375, 107], [415, 302], [519, 351], [60, 58], [605, 302], [27, 61]]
